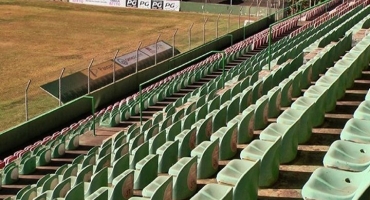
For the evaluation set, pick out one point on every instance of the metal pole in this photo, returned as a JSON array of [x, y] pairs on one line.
[[60, 87], [240, 13], [258, 7], [191, 26], [137, 56], [249, 12], [92, 111], [204, 30], [114, 66], [218, 18], [283, 9], [174, 43], [156, 49], [269, 49], [26, 98], [88, 76], [228, 22]]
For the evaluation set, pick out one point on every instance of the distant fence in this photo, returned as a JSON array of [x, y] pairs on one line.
[[170, 5], [225, 9]]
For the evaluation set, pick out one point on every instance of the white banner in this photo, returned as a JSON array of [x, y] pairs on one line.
[[150, 50], [131, 3], [157, 4], [171, 5], [129, 59], [145, 4], [113, 3]]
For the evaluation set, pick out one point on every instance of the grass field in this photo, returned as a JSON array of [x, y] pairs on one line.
[[39, 38]]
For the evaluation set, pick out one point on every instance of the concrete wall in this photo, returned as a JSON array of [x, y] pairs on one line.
[[74, 110]]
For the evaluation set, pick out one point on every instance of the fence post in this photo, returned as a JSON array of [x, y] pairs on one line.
[[88, 76], [60, 86], [240, 13], [26, 98], [114, 66], [156, 49], [249, 12], [204, 30], [218, 18], [191, 26], [228, 22], [137, 56], [174, 43]]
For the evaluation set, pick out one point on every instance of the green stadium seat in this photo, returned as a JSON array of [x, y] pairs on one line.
[[159, 188], [138, 153], [227, 137], [28, 192], [356, 130], [71, 171], [184, 174], [214, 104], [261, 112], [43, 157], [286, 92], [274, 96], [77, 192], [245, 124], [204, 129], [296, 78], [188, 121], [363, 111], [120, 151], [330, 184], [289, 139], [207, 154], [214, 191], [118, 167], [150, 132], [243, 176], [309, 104], [331, 83], [173, 130], [267, 83], [103, 162], [178, 115], [269, 154], [320, 94], [10, 174], [219, 118], [84, 175], [27, 165], [72, 142], [145, 171], [246, 98], [100, 194], [157, 141], [61, 189], [136, 141], [167, 153], [187, 139], [300, 121], [346, 155], [257, 90]]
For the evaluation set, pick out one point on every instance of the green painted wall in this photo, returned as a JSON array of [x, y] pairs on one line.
[[223, 9], [72, 111]]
